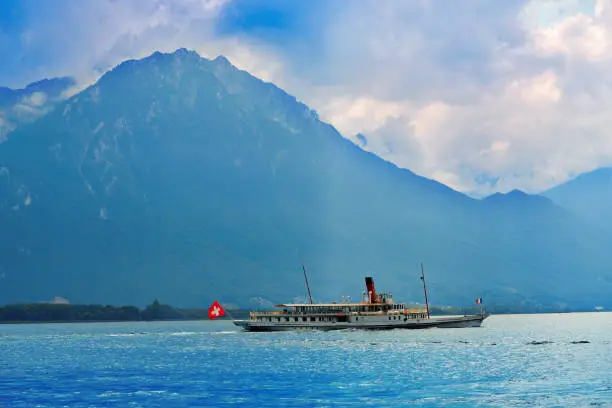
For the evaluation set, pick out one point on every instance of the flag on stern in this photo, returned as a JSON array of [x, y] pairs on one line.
[[215, 310], [479, 301]]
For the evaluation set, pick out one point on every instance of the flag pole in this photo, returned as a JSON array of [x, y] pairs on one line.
[[228, 311], [307, 285], [425, 289], [210, 285]]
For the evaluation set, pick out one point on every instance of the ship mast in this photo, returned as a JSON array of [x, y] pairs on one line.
[[307, 285], [425, 289]]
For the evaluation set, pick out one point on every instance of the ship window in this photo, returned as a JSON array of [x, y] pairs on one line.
[[389, 317], [304, 319], [312, 319], [296, 319], [356, 318]]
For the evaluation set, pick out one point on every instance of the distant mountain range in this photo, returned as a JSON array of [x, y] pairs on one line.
[[589, 195], [185, 179]]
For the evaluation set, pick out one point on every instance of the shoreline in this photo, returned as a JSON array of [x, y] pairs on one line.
[[206, 320], [37, 313]]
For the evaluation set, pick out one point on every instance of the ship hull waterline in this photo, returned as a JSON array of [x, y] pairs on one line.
[[442, 322]]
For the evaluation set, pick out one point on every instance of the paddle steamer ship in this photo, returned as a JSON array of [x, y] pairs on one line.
[[374, 311]]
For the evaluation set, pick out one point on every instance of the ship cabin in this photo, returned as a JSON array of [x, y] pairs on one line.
[[379, 306]]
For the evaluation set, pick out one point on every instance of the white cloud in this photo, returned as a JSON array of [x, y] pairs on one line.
[[364, 114], [578, 36], [94, 38], [35, 99], [452, 180], [475, 93], [540, 89], [499, 146], [5, 128], [253, 57], [30, 107]]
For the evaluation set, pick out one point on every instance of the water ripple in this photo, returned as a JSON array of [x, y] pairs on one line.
[[513, 361]]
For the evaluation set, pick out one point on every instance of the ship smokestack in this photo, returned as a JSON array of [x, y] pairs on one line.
[[370, 288]]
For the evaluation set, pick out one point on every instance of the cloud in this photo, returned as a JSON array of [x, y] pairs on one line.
[[256, 58], [64, 37], [482, 96], [33, 104], [5, 127], [485, 96]]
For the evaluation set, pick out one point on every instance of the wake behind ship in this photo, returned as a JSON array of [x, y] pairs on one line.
[[376, 311]]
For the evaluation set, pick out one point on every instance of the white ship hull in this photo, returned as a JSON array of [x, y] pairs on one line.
[[367, 323], [373, 312]]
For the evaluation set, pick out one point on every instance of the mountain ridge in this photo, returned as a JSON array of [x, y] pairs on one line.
[[587, 195], [22, 106], [53, 87], [187, 179]]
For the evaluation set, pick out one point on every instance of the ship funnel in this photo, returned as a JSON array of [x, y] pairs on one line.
[[370, 288]]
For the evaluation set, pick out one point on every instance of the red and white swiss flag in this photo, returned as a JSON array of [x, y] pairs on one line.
[[215, 310]]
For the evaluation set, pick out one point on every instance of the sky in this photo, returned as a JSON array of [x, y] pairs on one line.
[[482, 95]]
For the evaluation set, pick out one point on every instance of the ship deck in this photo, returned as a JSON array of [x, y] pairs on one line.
[[376, 324]]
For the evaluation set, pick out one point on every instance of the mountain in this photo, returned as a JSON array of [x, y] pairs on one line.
[[18, 106], [52, 88], [185, 179], [589, 195], [518, 200]]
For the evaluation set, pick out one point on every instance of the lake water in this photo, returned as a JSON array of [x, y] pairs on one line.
[[213, 364]]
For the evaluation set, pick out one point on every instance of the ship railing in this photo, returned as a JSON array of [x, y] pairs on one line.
[[299, 314], [315, 314], [334, 312]]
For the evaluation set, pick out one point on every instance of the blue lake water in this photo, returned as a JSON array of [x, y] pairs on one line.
[[213, 364]]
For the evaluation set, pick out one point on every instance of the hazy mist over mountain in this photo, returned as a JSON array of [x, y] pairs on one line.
[[186, 179], [19, 106], [589, 195]]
